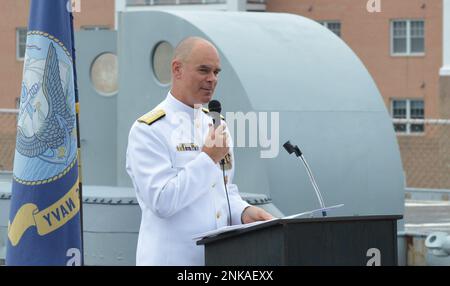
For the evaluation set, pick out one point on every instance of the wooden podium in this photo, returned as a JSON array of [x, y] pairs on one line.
[[356, 240]]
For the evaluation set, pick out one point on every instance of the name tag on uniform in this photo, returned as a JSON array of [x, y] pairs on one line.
[[187, 147]]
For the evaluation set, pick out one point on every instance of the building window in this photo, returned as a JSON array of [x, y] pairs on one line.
[[333, 26], [408, 109], [94, 28], [408, 37], [21, 43]]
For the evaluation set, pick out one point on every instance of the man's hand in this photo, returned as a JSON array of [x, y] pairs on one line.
[[252, 214], [216, 144]]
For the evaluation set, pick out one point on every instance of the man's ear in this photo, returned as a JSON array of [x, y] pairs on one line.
[[176, 69]]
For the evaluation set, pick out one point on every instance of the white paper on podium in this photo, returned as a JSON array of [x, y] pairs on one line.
[[228, 229], [242, 226]]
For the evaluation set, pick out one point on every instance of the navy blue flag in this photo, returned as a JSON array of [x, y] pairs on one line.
[[44, 223]]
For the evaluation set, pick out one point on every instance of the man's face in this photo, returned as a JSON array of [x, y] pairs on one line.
[[199, 74]]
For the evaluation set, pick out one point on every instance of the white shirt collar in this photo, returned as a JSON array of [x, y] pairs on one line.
[[179, 106]]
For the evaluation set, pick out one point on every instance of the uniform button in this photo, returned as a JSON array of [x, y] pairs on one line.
[[197, 125], [218, 215], [213, 186]]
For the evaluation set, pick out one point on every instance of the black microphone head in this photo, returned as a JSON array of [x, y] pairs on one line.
[[214, 106], [297, 151], [289, 148]]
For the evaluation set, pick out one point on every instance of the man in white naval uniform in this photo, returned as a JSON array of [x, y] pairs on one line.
[[173, 160]]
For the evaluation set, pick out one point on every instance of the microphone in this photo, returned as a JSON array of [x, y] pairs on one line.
[[215, 108], [294, 149]]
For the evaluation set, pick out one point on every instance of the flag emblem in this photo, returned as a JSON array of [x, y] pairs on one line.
[[46, 134]]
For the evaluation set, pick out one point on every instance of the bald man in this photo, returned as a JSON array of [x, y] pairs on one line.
[[173, 160]]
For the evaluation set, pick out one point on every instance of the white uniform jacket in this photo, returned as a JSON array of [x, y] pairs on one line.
[[179, 188]]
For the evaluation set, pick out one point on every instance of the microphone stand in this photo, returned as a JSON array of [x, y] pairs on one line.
[[294, 149], [313, 182]]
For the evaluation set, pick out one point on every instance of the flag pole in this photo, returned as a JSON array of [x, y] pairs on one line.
[[77, 110]]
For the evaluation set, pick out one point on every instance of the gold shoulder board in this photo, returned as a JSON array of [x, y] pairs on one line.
[[152, 116]]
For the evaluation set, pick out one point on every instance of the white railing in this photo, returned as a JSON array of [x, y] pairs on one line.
[[3, 110], [422, 121], [132, 3], [172, 2]]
